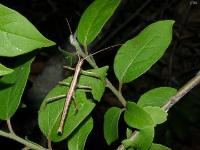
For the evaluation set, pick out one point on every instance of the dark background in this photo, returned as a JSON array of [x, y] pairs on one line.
[[180, 63]]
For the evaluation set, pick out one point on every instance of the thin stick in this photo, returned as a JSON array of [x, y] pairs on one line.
[[49, 144], [182, 92], [69, 95], [30, 144]]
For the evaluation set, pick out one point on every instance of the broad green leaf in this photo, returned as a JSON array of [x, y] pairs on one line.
[[136, 117], [142, 140], [156, 97], [78, 139], [137, 55], [96, 85], [94, 18], [157, 114], [11, 89], [18, 35], [4, 70], [50, 113], [159, 147], [111, 119]]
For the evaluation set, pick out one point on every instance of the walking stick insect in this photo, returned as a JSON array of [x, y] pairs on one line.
[[73, 84]]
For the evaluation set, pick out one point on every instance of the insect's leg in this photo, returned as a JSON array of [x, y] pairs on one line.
[[75, 104], [68, 68], [55, 98], [78, 86], [63, 83], [87, 73]]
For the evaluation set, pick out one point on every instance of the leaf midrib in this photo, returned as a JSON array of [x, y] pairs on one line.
[[8, 32], [138, 53]]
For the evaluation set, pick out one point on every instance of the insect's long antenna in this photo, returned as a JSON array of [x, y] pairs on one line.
[[104, 49], [70, 29]]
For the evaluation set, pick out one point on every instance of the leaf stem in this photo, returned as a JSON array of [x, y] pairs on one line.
[[49, 144], [116, 92], [22, 141], [10, 126]]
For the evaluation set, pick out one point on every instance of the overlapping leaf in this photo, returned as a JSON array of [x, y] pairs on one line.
[[156, 97], [143, 139], [136, 117], [157, 114], [11, 89], [4, 70], [18, 35]]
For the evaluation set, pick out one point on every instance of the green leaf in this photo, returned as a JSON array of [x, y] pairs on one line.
[[78, 139], [143, 51], [143, 139], [156, 97], [94, 18], [128, 132], [136, 117], [11, 89], [111, 119], [4, 70], [97, 86], [70, 57], [157, 114], [18, 35], [159, 147], [50, 113]]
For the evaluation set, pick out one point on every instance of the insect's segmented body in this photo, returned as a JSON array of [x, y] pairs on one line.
[[69, 95]]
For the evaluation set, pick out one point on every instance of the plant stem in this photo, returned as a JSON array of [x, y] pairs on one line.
[[116, 92], [173, 100], [49, 144], [182, 92], [120, 87], [10, 126], [22, 141]]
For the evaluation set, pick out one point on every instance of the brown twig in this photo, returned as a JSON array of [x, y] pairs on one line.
[[182, 92], [49, 144]]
